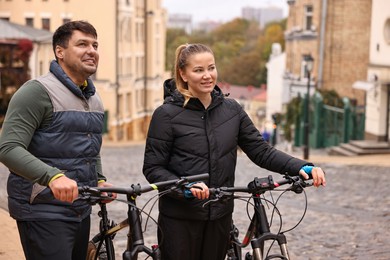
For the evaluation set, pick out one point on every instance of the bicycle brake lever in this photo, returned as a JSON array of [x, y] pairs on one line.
[[298, 186]]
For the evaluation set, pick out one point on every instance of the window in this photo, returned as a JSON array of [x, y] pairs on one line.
[[308, 23], [128, 102], [386, 31], [46, 24], [40, 68], [65, 20], [30, 21]]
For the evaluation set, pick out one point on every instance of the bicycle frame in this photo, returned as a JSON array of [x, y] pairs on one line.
[[135, 239], [106, 233], [259, 231]]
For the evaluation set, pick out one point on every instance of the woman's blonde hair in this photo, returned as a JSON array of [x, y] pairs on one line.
[[183, 52]]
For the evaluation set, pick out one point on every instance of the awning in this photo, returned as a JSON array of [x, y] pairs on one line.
[[363, 85]]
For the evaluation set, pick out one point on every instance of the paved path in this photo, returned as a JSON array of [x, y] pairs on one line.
[[349, 219]]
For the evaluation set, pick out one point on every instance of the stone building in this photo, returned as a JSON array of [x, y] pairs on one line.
[[350, 43], [336, 33], [131, 35], [377, 80]]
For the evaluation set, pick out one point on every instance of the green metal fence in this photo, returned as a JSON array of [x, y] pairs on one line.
[[328, 125]]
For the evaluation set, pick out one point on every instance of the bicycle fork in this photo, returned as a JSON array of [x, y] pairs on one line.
[[135, 241], [265, 234]]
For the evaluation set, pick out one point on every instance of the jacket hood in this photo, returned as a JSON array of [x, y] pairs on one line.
[[173, 96]]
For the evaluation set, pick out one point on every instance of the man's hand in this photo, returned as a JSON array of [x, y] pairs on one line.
[[64, 189]]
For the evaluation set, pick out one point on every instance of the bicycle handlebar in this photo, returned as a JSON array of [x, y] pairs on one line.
[[261, 185], [137, 189]]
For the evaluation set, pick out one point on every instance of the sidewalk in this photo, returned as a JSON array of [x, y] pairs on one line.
[[10, 247]]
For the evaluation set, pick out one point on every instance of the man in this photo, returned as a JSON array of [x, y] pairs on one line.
[[51, 141]]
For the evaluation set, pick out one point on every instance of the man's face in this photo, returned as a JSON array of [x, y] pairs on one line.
[[80, 59]]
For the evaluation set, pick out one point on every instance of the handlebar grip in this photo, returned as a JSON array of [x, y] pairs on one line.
[[199, 177], [212, 191]]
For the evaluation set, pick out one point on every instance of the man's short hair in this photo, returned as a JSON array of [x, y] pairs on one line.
[[63, 33]]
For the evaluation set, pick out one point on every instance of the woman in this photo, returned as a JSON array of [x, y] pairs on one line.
[[197, 130]]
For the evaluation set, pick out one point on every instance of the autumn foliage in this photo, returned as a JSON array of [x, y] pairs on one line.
[[241, 49]]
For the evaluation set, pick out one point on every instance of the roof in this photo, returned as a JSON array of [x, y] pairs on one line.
[[243, 92], [10, 30]]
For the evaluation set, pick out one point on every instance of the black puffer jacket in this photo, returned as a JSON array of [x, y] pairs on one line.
[[194, 140]]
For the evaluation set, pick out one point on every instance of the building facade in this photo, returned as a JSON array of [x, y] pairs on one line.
[[131, 35], [336, 34], [278, 95], [377, 83], [180, 21]]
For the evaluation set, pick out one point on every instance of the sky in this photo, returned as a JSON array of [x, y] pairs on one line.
[[217, 10]]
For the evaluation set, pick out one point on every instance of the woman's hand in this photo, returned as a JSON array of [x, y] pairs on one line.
[[112, 195], [200, 191], [317, 174]]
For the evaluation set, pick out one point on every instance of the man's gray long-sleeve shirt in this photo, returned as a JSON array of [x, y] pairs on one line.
[[29, 109]]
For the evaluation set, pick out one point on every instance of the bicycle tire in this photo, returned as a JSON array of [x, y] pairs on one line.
[[102, 254], [276, 257], [248, 256]]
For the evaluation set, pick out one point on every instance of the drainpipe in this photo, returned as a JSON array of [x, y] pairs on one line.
[[145, 63], [117, 85], [387, 114], [322, 43]]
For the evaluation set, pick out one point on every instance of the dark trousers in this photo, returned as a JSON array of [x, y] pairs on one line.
[[54, 240], [192, 239]]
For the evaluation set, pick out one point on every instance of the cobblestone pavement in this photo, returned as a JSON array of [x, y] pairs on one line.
[[348, 219]]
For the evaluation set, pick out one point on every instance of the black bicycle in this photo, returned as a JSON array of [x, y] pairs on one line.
[[259, 230], [101, 245]]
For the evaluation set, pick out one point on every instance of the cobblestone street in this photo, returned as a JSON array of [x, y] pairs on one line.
[[348, 219]]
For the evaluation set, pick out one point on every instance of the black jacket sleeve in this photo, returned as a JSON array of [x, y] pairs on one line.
[[158, 146], [263, 154]]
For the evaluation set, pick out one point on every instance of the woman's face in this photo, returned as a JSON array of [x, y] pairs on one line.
[[200, 74]]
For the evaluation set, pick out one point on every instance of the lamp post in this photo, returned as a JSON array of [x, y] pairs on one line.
[[308, 68]]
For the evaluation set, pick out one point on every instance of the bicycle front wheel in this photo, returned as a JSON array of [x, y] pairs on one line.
[[103, 252]]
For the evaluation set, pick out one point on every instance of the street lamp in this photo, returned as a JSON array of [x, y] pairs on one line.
[[308, 68]]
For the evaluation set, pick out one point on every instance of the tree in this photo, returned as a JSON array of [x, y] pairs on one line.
[[241, 49], [242, 70], [175, 37], [14, 70]]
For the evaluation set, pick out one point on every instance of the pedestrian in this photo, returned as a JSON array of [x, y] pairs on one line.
[[50, 141], [198, 130], [266, 135]]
